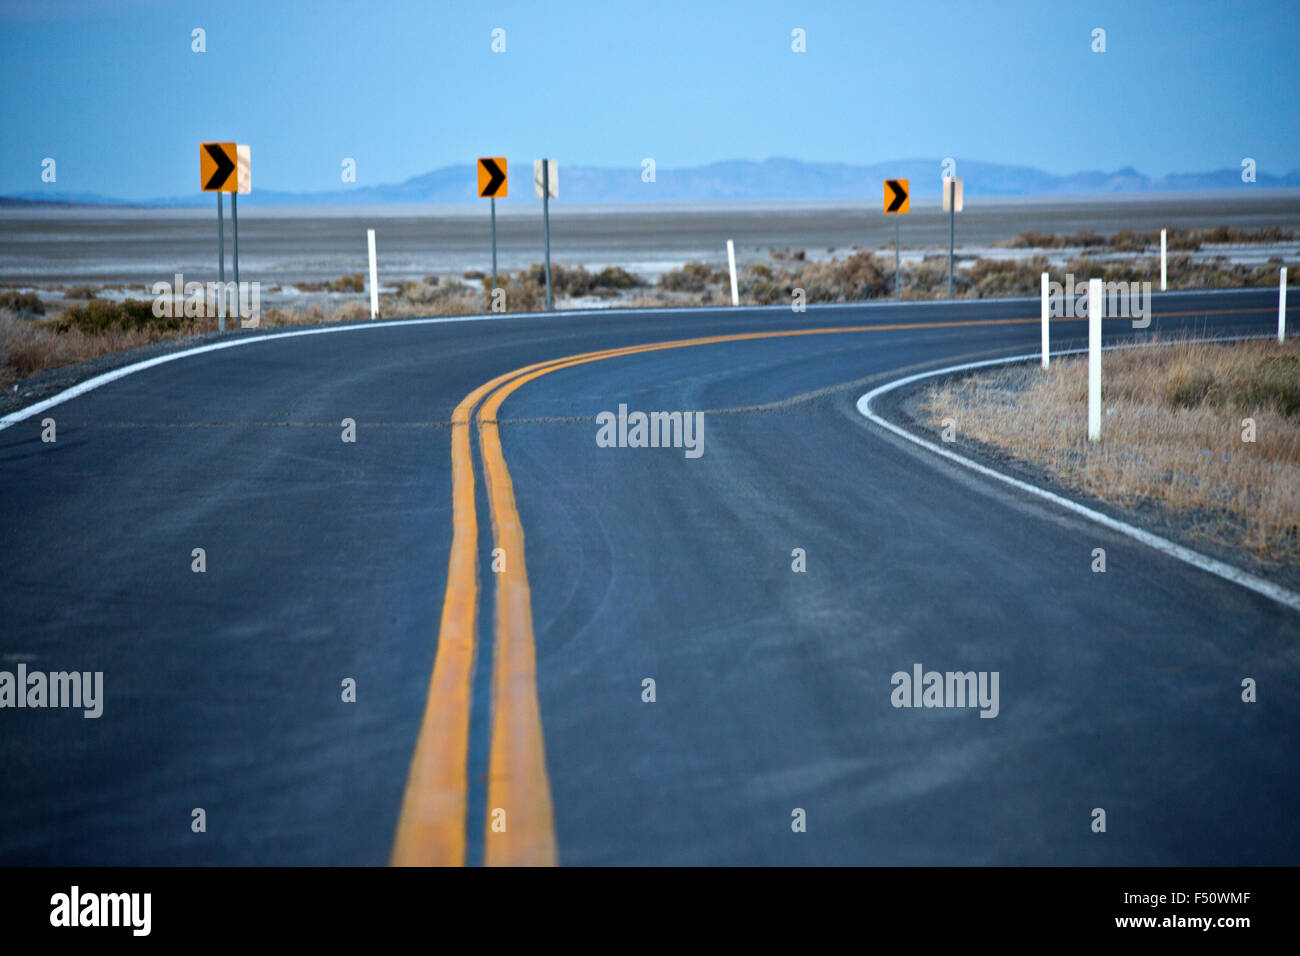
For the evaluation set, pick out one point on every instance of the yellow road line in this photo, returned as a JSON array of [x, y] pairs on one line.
[[517, 780], [432, 824], [518, 784]]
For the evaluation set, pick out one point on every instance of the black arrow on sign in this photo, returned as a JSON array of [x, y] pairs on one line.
[[497, 179], [900, 195], [225, 166]]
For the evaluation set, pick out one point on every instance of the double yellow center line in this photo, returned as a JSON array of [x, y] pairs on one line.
[[520, 827]]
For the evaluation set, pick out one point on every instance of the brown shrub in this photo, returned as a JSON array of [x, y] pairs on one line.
[[28, 302]]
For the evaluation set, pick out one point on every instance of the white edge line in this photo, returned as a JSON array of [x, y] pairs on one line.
[[1205, 563], [90, 384], [81, 388]]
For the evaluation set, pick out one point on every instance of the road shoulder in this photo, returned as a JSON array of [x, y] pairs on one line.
[[901, 407]]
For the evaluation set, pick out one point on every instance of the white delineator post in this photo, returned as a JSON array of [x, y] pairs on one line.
[[1094, 358], [1047, 311], [1163, 271], [374, 284], [1281, 305], [731, 264]]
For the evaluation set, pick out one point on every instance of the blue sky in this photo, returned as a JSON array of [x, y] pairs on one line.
[[112, 91]]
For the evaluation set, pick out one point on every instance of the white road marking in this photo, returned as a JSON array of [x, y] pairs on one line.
[[99, 380], [1205, 563]]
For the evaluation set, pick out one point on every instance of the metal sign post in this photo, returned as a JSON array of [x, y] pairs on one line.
[[545, 187], [493, 182], [221, 255], [218, 173], [952, 226], [546, 216], [234, 222], [897, 203], [952, 201], [244, 177], [898, 289]]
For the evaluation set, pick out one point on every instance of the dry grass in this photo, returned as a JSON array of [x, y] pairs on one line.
[[77, 334], [1127, 240], [27, 347], [28, 302], [315, 314], [1172, 433], [869, 275], [349, 283]]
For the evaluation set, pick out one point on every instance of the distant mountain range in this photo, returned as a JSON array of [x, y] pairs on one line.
[[770, 179]]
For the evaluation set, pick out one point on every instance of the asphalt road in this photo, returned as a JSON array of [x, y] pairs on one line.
[[328, 560]]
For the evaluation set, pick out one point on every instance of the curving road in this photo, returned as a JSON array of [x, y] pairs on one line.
[[328, 560]]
